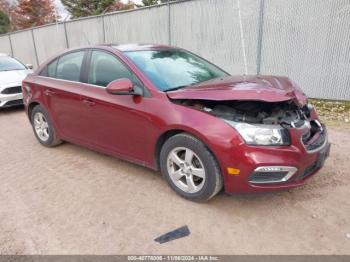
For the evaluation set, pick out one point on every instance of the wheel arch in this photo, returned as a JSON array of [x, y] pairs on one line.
[[160, 142], [172, 132], [31, 107]]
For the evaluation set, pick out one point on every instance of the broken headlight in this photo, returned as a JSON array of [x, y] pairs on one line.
[[258, 134]]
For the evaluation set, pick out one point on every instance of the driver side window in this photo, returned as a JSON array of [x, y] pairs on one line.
[[104, 68]]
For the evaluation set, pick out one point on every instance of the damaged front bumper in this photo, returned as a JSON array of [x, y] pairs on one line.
[[268, 168]]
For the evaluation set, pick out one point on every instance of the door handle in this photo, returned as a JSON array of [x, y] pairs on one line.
[[89, 102], [49, 92]]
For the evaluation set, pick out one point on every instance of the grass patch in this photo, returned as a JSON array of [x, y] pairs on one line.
[[332, 112]]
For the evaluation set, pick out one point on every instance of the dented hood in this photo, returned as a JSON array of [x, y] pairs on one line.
[[258, 88]]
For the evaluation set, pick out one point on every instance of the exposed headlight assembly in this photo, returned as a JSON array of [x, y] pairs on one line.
[[259, 134]]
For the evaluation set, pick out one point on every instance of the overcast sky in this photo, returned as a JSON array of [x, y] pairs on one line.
[[64, 13]]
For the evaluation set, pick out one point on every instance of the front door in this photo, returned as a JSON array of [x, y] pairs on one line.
[[117, 123]]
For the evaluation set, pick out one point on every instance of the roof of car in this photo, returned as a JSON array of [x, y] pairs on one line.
[[138, 47]]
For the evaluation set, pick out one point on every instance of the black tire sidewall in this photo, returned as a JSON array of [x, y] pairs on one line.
[[51, 139], [208, 161]]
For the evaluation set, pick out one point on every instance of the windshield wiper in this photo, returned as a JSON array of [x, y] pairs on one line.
[[179, 87], [184, 86], [176, 88]]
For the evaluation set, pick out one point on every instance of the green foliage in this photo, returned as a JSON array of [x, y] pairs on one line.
[[81, 8], [154, 2], [4, 23], [149, 2]]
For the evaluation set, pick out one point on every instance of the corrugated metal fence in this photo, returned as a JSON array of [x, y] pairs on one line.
[[307, 40]]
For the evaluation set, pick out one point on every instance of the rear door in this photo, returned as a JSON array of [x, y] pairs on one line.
[[62, 91]]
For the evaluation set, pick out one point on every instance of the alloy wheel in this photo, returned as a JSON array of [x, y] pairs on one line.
[[41, 126], [186, 169]]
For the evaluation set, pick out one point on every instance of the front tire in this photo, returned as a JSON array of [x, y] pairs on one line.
[[190, 168], [43, 128]]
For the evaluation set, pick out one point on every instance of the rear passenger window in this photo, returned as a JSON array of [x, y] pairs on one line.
[[51, 69], [69, 66]]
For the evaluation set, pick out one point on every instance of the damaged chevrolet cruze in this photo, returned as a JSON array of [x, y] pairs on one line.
[[170, 110]]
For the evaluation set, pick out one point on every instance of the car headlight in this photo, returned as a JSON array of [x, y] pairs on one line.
[[258, 134]]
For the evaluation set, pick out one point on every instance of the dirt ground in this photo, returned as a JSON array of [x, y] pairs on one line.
[[70, 200]]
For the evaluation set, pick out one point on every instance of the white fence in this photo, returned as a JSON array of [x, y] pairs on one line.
[[307, 40]]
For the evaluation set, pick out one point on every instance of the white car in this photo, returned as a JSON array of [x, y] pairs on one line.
[[12, 72]]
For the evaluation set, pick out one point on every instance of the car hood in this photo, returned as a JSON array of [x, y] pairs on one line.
[[15, 76], [259, 88]]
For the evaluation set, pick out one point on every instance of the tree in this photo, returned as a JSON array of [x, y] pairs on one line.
[[4, 23], [119, 6], [155, 2], [149, 2], [5, 6], [30, 13], [81, 8], [5, 16]]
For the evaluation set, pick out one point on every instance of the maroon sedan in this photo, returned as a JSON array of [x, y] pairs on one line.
[[166, 108]]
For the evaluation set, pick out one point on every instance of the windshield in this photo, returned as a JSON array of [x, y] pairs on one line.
[[174, 68], [8, 63]]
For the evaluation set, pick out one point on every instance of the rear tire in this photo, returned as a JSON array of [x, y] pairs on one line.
[[43, 128], [190, 168]]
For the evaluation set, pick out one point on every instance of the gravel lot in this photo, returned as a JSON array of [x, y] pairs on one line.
[[70, 200]]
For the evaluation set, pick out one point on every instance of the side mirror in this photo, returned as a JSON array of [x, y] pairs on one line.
[[29, 66], [123, 86]]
